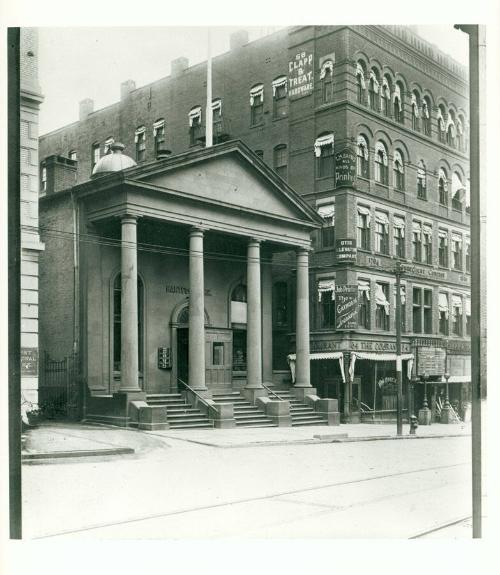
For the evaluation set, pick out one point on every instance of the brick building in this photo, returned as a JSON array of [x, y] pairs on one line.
[[368, 124]]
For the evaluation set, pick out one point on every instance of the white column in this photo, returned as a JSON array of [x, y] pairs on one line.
[[302, 372], [254, 318], [267, 323], [196, 311], [129, 359]]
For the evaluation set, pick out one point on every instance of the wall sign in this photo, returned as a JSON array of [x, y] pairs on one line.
[[301, 75], [345, 168], [422, 271], [346, 250], [171, 288], [346, 306], [29, 361], [164, 358], [431, 360]]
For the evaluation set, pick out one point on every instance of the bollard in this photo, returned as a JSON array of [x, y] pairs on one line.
[[413, 424]]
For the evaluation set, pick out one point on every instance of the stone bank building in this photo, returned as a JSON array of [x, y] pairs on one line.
[[259, 273]]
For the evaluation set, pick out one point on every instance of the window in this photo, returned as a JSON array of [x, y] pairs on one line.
[[427, 244], [385, 97], [281, 161], [457, 192], [257, 105], [328, 230], [280, 100], [280, 303], [456, 250], [239, 304], [159, 135], [364, 304], [96, 153], [218, 353], [426, 116], [444, 312], [140, 144], [360, 83], [460, 133], [381, 233], [417, 242], [363, 238], [399, 171], [451, 130], [443, 187], [422, 310], [323, 150], [415, 106], [382, 309], [326, 77], [217, 128], [107, 145], [443, 248], [456, 306], [362, 165], [373, 89], [441, 125], [326, 298], [381, 164], [72, 155], [421, 181], [43, 184], [467, 316], [399, 236], [117, 319], [195, 127], [467, 254], [398, 103]]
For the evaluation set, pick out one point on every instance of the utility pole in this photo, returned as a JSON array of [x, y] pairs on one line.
[[399, 367]]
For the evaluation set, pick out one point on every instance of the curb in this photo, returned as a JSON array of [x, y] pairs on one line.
[[44, 456]]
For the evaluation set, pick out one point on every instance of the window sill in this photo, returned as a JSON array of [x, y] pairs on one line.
[[320, 178], [261, 125], [423, 199], [280, 118]]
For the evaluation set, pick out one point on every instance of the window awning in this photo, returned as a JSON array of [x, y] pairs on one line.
[[195, 113], [381, 218], [365, 212], [140, 130], [443, 304], [456, 302], [326, 140], [380, 299], [400, 223], [371, 356], [256, 91], [362, 147], [327, 213], [416, 228], [326, 66], [278, 83], [217, 106], [364, 286], [292, 358], [361, 74], [456, 238], [157, 125], [427, 230], [443, 234], [325, 286]]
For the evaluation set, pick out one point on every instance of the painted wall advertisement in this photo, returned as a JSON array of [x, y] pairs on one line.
[[346, 250], [346, 306], [301, 75], [345, 168]]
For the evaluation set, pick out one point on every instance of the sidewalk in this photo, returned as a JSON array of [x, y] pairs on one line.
[[60, 440]]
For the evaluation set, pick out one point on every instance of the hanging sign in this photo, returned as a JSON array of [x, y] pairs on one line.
[[345, 168], [301, 75], [346, 306], [346, 250]]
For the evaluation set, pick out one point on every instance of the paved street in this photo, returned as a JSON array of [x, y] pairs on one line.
[[173, 488]]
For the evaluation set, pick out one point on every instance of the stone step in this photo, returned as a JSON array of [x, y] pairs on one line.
[[192, 425], [307, 422], [186, 416], [256, 424]]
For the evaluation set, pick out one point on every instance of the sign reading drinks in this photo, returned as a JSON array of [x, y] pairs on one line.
[[345, 168], [346, 306], [346, 250], [301, 75]]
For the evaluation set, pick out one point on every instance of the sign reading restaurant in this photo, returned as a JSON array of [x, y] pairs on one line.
[[301, 75], [346, 306]]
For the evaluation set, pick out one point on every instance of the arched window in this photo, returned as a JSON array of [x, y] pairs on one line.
[[451, 130], [399, 171], [457, 192], [415, 111], [426, 116], [373, 90], [443, 187], [421, 181], [381, 164], [117, 321], [362, 157], [398, 103], [385, 96], [360, 82], [460, 133], [441, 124], [280, 160], [323, 150], [326, 77]]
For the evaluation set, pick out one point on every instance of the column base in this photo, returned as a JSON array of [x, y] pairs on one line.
[[301, 392], [424, 416]]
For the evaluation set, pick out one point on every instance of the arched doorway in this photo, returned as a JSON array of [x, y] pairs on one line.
[[183, 347]]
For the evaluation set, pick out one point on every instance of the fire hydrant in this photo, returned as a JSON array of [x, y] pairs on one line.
[[413, 424]]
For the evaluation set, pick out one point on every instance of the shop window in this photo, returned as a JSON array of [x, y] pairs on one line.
[[159, 135], [280, 99], [281, 161], [399, 171], [363, 228], [382, 306], [381, 164], [444, 311], [257, 105], [426, 116], [323, 150], [381, 233], [362, 164], [456, 251], [421, 181], [443, 248], [280, 303], [443, 188], [399, 237], [326, 78], [117, 320], [218, 353], [427, 244], [456, 304], [417, 242], [364, 304], [140, 144], [95, 153]]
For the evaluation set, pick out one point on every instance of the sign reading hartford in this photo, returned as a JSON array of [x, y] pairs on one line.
[[300, 75]]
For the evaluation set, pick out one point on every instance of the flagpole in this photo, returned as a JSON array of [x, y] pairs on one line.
[[209, 112]]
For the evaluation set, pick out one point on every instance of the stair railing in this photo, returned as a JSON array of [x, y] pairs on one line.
[[199, 398], [272, 392]]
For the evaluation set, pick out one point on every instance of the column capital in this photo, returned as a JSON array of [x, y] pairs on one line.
[[128, 218], [303, 250], [256, 241], [197, 231]]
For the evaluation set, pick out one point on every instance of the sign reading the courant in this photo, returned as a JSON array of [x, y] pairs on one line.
[[345, 168], [346, 250], [346, 306], [301, 75]]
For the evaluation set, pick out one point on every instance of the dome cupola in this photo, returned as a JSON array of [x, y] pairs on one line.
[[115, 161]]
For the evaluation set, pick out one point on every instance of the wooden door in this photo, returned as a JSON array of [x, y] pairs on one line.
[[218, 358]]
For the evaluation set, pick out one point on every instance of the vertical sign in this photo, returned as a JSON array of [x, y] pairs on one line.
[[345, 168], [346, 306], [301, 75]]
